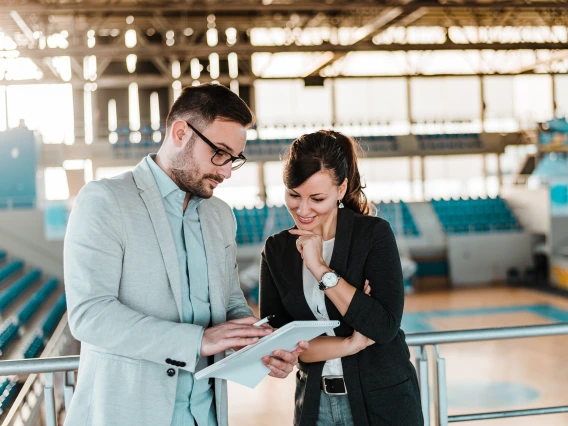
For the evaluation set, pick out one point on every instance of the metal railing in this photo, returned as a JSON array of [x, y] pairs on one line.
[[440, 394], [69, 364]]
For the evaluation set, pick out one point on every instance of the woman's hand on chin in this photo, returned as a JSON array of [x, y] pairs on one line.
[[310, 246]]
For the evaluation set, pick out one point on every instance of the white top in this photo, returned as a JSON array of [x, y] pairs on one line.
[[316, 301]]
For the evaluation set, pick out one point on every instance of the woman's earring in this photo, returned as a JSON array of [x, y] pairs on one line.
[[340, 204]]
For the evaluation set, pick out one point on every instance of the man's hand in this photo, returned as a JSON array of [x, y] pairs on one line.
[[281, 363], [232, 334]]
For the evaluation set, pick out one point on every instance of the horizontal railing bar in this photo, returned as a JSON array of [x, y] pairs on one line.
[[39, 365], [69, 363], [505, 414], [458, 336]]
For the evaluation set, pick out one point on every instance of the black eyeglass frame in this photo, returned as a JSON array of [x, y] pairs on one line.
[[216, 149]]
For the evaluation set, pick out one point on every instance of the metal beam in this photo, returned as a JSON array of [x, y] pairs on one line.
[[412, 17], [157, 7], [152, 50], [153, 80], [76, 67], [23, 26], [102, 66], [47, 68], [557, 56], [365, 33]]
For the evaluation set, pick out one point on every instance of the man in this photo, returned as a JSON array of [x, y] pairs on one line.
[[151, 276]]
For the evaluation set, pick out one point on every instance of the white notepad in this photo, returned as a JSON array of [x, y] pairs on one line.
[[246, 367]]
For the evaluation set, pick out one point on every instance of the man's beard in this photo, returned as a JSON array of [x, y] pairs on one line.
[[185, 174]]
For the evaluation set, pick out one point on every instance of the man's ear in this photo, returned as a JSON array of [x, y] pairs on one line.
[[179, 132]]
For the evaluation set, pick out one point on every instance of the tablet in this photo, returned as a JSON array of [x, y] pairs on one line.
[[246, 367]]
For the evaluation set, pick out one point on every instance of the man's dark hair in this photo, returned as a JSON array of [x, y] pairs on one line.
[[201, 105]]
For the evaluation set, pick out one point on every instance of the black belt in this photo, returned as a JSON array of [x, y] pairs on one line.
[[333, 385]]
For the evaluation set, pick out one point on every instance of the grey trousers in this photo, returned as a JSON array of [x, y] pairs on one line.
[[334, 411]]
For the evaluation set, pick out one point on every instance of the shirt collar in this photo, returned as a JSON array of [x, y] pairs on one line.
[[165, 184]]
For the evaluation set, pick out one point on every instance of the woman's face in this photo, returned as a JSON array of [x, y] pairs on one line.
[[314, 203]]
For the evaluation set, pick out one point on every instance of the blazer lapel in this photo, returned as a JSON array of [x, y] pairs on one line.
[[292, 268], [215, 253], [153, 200], [340, 255]]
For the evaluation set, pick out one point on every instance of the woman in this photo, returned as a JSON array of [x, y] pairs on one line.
[[360, 374]]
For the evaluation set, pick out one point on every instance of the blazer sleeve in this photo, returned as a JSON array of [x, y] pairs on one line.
[[238, 307], [93, 256], [270, 300], [378, 317]]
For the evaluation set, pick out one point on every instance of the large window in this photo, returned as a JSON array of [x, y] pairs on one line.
[[453, 100], [364, 101], [290, 102], [47, 108]]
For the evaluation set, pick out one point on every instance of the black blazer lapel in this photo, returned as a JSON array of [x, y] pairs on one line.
[[340, 255], [292, 266]]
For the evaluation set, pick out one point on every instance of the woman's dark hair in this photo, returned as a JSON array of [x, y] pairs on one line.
[[331, 151]]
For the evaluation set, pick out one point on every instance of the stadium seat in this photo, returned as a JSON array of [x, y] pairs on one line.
[[475, 216], [10, 294], [10, 269]]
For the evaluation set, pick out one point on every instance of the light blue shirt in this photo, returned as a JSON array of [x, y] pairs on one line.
[[194, 399]]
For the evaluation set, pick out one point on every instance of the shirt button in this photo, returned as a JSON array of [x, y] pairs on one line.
[[171, 372], [180, 195]]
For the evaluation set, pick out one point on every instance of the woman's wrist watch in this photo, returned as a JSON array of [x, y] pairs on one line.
[[329, 280]]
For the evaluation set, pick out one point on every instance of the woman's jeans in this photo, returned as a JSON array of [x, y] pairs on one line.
[[334, 411]]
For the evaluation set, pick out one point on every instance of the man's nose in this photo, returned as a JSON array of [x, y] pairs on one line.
[[226, 170]]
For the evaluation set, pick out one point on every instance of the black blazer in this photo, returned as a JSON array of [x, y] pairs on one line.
[[381, 382]]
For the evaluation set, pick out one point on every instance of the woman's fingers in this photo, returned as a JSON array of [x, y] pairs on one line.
[[300, 232], [367, 288]]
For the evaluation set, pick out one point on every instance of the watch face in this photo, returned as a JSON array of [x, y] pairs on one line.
[[329, 279]]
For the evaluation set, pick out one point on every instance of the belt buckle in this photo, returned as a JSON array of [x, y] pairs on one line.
[[333, 393]]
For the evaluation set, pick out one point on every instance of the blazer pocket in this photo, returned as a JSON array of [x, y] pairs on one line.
[[114, 357], [397, 405]]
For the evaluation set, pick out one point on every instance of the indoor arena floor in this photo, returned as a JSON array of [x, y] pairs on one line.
[[482, 376]]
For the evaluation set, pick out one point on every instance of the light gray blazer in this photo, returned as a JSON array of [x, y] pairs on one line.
[[124, 300]]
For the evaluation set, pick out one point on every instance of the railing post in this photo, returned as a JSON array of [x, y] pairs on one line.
[[422, 366], [49, 399], [441, 389], [69, 380]]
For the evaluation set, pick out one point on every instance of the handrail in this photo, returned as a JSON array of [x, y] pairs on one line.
[[67, 363], [71, 363], [39, 365], [462, 336]]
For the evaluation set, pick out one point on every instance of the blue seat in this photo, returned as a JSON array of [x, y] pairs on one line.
[[17, 288], [8, 333], [9, 393], [10, 269], [54, 316], [475, 215], [34, 348], [36, 301], [398, 212]]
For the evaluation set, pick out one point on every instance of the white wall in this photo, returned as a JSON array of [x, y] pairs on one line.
[[22, 236], [530, 206], [485, 258]]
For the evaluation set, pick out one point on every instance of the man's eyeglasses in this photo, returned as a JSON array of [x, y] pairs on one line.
[[220, 156]]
